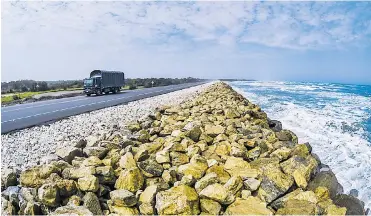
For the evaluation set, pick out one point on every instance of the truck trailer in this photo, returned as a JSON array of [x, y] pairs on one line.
[[104, 82]]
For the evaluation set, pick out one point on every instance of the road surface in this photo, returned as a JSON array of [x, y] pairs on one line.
[[26, 115]]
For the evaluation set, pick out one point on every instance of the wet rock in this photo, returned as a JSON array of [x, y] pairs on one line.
[[178, 200], [353, 192], [275, 125], [328, 180], [353, 205]]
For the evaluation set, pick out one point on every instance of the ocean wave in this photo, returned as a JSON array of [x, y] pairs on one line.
[[335, 124]]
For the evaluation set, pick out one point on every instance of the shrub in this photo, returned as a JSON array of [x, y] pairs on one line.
[[16, 97], [131, 87]]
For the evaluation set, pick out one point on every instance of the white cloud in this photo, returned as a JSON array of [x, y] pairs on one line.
[[95, 34]]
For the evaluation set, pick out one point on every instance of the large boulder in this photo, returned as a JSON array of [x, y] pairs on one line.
[[147, 200], [205, 181], [96, 151], [249, 206], [300, 169], [150, 168], [178, 200], [298, 207], [214, 130], [88, 183], [328, 180], [353, 205], [236, 166], [131, 180], [210, 207], [196, 168]]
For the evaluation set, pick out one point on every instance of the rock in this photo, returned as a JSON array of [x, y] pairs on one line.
[[196, 168], [88, 183], [7, 207], [178, 200], [8, 177], [234, 184], [131, 180], [254, 153], [121, 210], [49, 158], [28, 194], [49, 195], [68, 153], [66, 187], [275, 125], [274, 184], [76, 173], [12, 194], [72, 210], [157, 181], [103, 190], [163, 157], [97, 151], [238, 167], [223, 176], [105, 175], [328, 180], [287, 135], [300, 168], [301, 150], [205, 181], [74, 200], [32, 208], [193, 131], [91, 161], [251, 184], [353, 205], [147, 200], [298, 207], [141, 155], [150, 168], [334, 210], [127, 161], [31, 178], [178, 158], [214, 130], [249, 206], [169, 176], [134, 127], [298, 194], [281, 153], [245, 194], [91, 202], [123, 198], [210, 207], [353, 192], [217, 193]]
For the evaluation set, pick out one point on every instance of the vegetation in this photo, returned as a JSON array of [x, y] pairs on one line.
[[21, 89]]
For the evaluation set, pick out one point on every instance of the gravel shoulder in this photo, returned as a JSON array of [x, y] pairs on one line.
[[27, 147]]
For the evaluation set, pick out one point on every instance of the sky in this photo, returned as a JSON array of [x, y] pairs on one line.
[[294, 41]]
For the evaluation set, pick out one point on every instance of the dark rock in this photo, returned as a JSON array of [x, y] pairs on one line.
[[275, 125], [151, 168], [326, 179], [354, 206], [91, 202], [353, 192]]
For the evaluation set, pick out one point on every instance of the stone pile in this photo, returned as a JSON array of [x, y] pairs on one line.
[[217, 154]]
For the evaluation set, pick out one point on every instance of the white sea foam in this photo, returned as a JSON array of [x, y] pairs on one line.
[[333, 130]]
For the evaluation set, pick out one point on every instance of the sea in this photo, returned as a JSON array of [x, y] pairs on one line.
[[334, 118]]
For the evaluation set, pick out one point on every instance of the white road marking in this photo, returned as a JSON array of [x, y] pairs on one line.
[[82, 106]]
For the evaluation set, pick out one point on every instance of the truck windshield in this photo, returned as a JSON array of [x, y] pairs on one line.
[[88, 82]]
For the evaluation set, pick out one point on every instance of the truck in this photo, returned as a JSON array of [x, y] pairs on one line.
[[103, 82]]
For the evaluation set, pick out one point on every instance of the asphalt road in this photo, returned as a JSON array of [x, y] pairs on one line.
[[26, 115]]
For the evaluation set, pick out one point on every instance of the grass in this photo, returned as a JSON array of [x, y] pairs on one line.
[[9, 98]]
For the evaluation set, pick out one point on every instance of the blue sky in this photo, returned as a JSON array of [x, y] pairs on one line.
[[298, 41]]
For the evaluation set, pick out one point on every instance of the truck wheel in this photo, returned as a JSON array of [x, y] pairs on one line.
[[114, 91], [99, 93], [88, 95]]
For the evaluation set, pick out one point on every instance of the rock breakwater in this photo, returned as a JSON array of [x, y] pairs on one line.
[[216, 154]]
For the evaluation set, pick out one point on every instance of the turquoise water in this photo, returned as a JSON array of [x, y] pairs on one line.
[[334, 118]]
